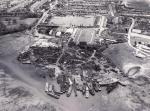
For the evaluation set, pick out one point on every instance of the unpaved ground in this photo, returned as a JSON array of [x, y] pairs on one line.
[[133, 97], [10, 46], [17, 96], [123, 56], [139, 81]]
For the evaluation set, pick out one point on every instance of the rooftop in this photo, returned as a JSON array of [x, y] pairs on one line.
[[72, 21]]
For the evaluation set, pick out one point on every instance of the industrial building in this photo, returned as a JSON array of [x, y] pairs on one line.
[[75, 21]]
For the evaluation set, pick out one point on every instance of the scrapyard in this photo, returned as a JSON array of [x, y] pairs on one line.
[[73, 67], [69, 49], [74, 55]]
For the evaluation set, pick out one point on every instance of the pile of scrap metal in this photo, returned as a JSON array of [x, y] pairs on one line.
[[40, 55], [79, 68], [78, 83]]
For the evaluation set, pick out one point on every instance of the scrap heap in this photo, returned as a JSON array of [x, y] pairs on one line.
[[74, 68]]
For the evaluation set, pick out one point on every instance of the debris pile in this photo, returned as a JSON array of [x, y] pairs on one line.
[[74, 68], [40, 55], [86, 82]]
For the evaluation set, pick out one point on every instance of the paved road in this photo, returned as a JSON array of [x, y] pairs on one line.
[[142, 52], [129, 33]]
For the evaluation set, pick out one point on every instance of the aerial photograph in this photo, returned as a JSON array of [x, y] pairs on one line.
[[74, 55]]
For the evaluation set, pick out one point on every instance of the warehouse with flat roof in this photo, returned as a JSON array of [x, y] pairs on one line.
[[68, 21]]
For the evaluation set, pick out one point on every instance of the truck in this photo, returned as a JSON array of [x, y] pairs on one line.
[[84, 89], [46, 87], [96, 86], [69, 91], [49, 91], [75, 88], [87, 92], [91, 89]]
